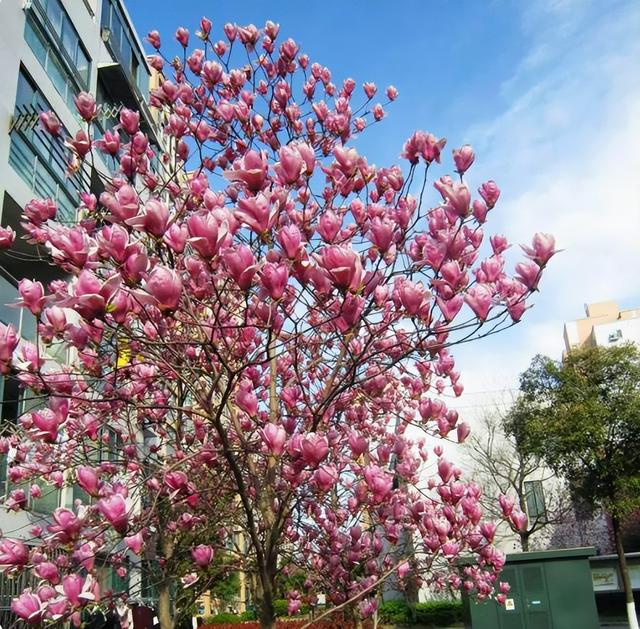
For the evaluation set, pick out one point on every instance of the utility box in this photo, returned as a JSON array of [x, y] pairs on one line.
[[549, 590]]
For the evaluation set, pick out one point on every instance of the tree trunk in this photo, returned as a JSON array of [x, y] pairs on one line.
[[524, 542], [624, 571], [165, 616], [267, 612]]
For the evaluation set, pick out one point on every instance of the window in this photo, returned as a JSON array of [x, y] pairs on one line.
[[22, 320], [124, 48], [534, 496], [52, 36], [37, 157]]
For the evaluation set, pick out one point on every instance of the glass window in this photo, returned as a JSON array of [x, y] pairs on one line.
[[55, 14], [83, 64], [105, 17], [69, 38], [49, 500], [534, 495], [36, 42], [9, 295], [57, 35], [38, 158]]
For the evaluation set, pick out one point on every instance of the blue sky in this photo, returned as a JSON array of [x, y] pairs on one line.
[[547, 92]]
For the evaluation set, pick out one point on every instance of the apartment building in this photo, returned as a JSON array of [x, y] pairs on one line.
[[49, 51], [605, 325]]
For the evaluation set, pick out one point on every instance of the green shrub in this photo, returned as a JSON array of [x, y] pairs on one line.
[[223, 618], [393, 612], [250, 614], [280, 607], [438, 613]]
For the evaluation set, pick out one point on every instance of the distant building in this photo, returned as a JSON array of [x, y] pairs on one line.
[[604, 326]]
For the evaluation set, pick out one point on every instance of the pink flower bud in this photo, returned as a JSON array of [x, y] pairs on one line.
[[7, 237], [202, 555], [182, 35], [274, 438], [86, 106], [114, 510], [463, 429], [50, 122], [490, 192], [392, 92], [166, 286], [129, 121], [32, 294], [154, 39], [463, 158]]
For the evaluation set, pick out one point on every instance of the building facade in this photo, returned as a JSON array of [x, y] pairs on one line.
[[604, 326], [50, 50]]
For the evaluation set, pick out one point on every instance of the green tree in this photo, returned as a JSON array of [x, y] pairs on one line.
[[582, 416]]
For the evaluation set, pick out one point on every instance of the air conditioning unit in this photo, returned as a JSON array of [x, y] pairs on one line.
[[615, 336]]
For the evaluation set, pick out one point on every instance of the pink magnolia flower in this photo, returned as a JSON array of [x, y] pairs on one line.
[[378, 481], [274, 438], [48, 571], [490, 192], [28, 607], [135, 542], [154, 39], [445, 470], [314, 448], [274, 279], [129, 121], [251, 170], [290, 239], [50, 122], [7, 237], [176, 237], [343, 266], [529, 274], [47, 423], [506, 504], [153, 220], [479, 298], [519, 520], [463, 158], [88, 479], [246, 400], [329, 225], [114, 510], [13, 553], [66, 525], [463, 429], [8, 343], [542, 248], [241, 265], [32, 294], [257, 213], [86, 106], [37, 211], [290, 166], [202, 555], [498, 243], [182, 35], [403, 569], [325, 477], [207, 233], [166, 286]]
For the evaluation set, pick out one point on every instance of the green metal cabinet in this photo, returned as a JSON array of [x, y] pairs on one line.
[[549, 590]]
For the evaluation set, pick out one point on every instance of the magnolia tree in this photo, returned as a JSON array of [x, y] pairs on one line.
[[253, 328]]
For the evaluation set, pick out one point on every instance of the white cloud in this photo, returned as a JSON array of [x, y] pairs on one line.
[[565, 153]]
